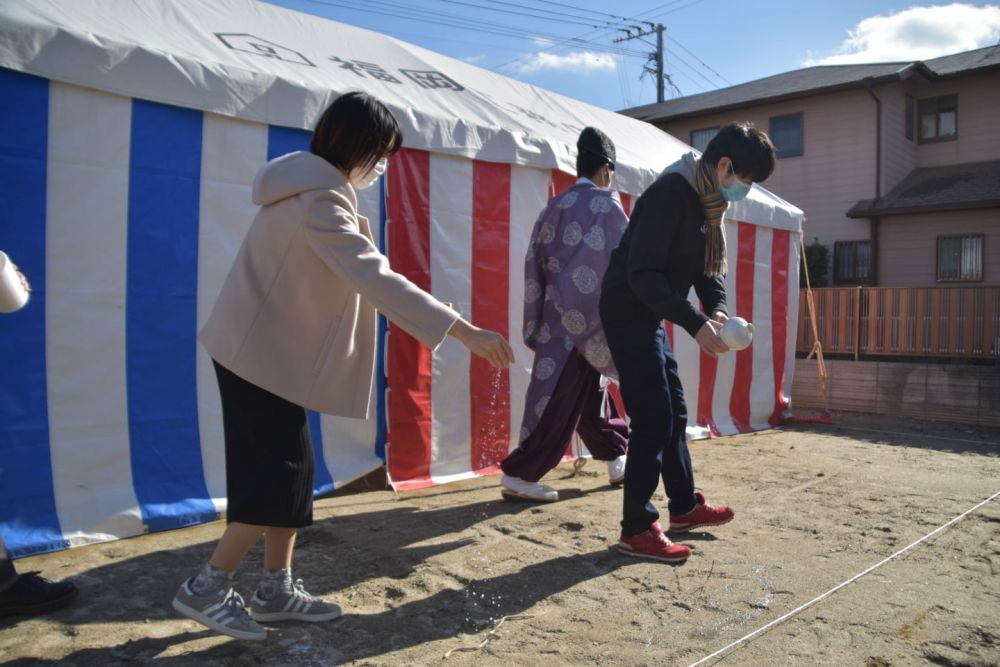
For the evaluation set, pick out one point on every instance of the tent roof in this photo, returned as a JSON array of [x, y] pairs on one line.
[[272, 65]]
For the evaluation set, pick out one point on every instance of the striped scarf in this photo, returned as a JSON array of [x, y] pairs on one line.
[[714, 207]]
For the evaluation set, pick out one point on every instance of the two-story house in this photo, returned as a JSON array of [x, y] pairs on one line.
[[897, 165]]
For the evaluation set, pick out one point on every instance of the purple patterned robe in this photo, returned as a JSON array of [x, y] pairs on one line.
[[568, 254]]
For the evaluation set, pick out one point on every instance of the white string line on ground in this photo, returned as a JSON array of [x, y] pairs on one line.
[[833, 590], [917, 435]]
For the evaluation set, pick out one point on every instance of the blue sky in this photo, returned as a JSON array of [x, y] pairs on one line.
[[710, 44]]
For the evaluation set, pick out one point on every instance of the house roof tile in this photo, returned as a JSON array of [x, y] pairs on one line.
[[812, 80], [928, 189]]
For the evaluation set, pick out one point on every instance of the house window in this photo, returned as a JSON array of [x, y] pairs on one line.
[[852, 261], [786, 133], [959, 258], [938, 118], [700, 138], [910, 110]]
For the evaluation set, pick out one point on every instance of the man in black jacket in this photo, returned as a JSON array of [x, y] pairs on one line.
[[675, 241]]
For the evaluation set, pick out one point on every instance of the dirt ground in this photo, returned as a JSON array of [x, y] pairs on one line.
[[422, 573]]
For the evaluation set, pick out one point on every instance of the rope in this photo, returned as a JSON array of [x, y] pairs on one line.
[[833, 590], [987, 443], [490, 634], [817, 347], [580, 460]]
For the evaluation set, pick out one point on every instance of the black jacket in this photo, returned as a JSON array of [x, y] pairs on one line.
[[661, 256]]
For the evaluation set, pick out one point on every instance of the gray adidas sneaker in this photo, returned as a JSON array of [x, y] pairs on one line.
[[221, 609], [278, 598]]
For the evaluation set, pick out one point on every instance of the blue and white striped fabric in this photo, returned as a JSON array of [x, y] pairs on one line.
[[125, 215]]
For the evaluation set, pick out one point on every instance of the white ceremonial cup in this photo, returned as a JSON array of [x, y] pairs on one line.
[[13, 296], [737, 333]]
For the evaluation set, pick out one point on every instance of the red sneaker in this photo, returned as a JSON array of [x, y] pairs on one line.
[[654, 546], [703, 514]]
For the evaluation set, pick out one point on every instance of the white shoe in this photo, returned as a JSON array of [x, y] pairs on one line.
[[514, 488], [616, 470]]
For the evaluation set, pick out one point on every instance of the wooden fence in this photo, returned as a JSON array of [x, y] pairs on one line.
[[903, 321]]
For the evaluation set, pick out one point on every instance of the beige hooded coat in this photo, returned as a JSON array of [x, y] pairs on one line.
[[297, 312]]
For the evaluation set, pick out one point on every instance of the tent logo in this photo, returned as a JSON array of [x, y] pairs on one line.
[[429, 79], [262, 47]]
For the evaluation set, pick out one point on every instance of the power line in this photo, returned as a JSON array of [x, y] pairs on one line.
[[694, 81], [454, 21], [656, 9], [542, 14], [656, 56], [516, 13], [583, 9], [557, 45], [672, 6], [561, 44], [557, 39], [691, 67], [586, 41], [703, 64], [623, 82], [468, 42], [668, 4]]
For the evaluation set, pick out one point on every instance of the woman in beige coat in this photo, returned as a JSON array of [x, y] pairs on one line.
[[295, 328]]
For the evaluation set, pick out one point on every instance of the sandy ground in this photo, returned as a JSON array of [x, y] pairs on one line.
[[422, 573]]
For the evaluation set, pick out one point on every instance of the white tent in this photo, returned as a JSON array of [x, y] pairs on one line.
[[129, 136]]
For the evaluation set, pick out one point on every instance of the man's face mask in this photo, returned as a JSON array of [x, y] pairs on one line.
[[362, 181], [737, 190]]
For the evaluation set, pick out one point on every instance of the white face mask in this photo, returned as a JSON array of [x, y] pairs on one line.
[[362, 181]]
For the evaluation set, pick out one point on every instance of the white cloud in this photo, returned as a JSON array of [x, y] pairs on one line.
[[917, 33], [582, 62], [475, 60]]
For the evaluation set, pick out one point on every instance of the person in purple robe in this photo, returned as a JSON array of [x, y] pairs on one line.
[[568, 254]]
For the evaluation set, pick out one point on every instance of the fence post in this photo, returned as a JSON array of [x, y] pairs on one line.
[[857, 322]]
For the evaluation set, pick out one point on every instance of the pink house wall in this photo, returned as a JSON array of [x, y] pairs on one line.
[[978, 121], [899, 154], [836, 168], [838, 164], [907, 256]]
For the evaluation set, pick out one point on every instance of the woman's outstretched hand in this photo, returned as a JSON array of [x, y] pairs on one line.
[[489, 345]]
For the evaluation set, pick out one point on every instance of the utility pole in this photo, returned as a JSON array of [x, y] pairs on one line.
[[656, 57]]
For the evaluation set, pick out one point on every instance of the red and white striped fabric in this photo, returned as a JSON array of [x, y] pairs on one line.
[[459, 228]]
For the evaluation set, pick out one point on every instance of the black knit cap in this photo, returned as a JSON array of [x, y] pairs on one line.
[[597, 143]]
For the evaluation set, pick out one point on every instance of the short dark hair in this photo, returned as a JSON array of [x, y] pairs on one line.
[[587, 164], [355, 132], [750, 150]]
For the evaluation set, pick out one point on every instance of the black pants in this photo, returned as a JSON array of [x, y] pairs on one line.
[[269, 455], [575, 405], [654, 399], [8, 575]]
